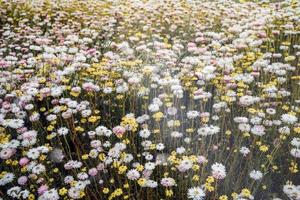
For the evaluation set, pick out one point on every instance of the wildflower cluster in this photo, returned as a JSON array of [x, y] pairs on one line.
[[149, 99]]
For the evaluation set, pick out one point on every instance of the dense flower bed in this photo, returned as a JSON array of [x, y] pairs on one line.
[[149, 100]]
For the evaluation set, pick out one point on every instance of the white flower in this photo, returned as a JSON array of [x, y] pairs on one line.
[[133, 174], [192, 114], [208, 130], [295, 152], [49, 195], [248, 100], [14, 192], [185, 165], [150, 166], [218, 171], [289, 189], [7, 178], [168, 182], [180, 150], [74, 193], [38, 169], [196, 193], [244, 127], [145, 133], [153, 108], [63, 131], [289, 119], [244, 150], [151, 184], [14, 123], [296, 142], [256, 175], [258, 130], [176, 134], [160, 146], [33, 153], [284, 130]]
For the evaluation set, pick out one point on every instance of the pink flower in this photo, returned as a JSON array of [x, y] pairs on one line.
[[119, 131], [23, 161], [22, 180], [100, 166], [90, 87], [168, 182], [42, 189], [93, 172], [147, 174], [7, 153], [201, 159]]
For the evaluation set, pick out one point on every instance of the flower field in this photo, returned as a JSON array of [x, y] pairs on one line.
[[149, 100]]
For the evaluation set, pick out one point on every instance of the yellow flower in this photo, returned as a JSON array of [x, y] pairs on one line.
[[263, 148], [130, 122], [246, 134], [141, 181], [105, 190], [8, 162], [93, 118], [195, 167], [14, 163], [24, 169], [55, 170], [210, 179], [195, 178], [208, 187], [234, 195], [190, 130], [74, 94], [169, 192], [82, 194], [79, 129], [223, 197], [4, 138], [42, 157], [31, 197], [293, 167], [101, 156], [62, 191], [157, 116], [296, 129], [50, 128], [228, 132], [140, 168], [118, 192], [246, 192], [122, 169], [85, 157]]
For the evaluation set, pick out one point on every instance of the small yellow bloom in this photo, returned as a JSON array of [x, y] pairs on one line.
[[85, 157], [122, 169], [63, 191], [195, 178], [246, 192], [263, 148], [105, 190], [169, 193], [223, 197], [140, 168], [141, 181], [31, 197]]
